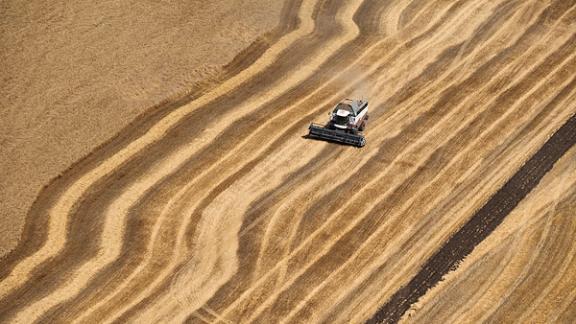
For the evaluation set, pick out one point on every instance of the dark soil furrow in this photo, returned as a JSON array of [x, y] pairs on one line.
[[484, 222]]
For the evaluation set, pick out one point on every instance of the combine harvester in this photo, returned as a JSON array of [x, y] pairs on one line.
[[347, 120]]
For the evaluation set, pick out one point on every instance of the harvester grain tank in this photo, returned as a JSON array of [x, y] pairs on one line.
[[347, 120]]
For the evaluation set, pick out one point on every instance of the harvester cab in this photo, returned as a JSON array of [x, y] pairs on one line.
[[347, 120]]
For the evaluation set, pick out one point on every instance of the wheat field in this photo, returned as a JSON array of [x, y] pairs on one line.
[[218, 210]]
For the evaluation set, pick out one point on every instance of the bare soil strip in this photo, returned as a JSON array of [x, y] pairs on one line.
[[480, 225]]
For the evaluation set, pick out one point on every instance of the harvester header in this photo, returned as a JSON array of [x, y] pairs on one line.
[[347, 120]]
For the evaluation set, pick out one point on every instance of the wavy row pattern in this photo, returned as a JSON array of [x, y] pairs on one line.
[[217, 210]]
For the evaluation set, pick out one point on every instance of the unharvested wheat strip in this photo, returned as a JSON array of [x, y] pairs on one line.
[[518, 265], [56, 236], [499, 272], [505, 256], [554, 121], [545, 198]]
